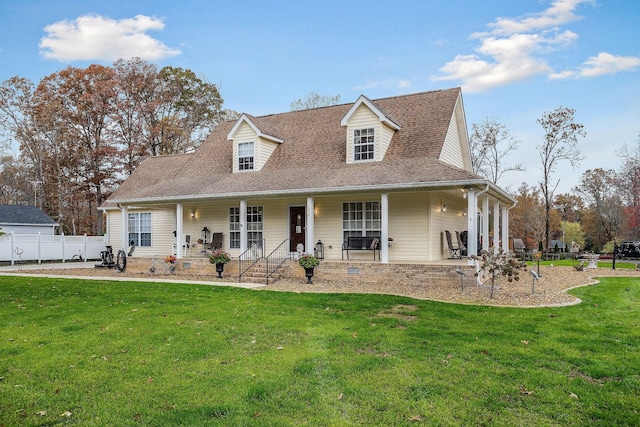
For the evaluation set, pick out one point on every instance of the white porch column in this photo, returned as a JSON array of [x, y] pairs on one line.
[[384, 235], [124, 215], [485, 223], [243, 226], [496, 227], [505, 229], [179, 220], [309, 234], [472, 225]]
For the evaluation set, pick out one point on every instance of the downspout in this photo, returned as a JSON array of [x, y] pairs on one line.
[[506, 226], [485, 216]]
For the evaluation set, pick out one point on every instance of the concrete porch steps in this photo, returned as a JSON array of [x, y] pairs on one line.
[[258, 273]]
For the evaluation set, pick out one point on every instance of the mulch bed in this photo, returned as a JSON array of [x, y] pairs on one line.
[[549, 290]]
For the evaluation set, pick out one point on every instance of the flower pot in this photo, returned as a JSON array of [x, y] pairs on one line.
[[309, 273], [220, 269]]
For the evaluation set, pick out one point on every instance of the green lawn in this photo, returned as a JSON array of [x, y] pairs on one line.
[[124, 353]]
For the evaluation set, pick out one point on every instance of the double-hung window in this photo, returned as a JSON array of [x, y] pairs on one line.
[[234, 227], [255, 226], [364, 144], [139, 229], [246, 152], [361, 219]]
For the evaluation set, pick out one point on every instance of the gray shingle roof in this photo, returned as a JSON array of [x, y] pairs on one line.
[[17, 214], [311, 158]]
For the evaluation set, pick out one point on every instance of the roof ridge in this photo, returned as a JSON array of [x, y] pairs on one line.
[[407, 95]]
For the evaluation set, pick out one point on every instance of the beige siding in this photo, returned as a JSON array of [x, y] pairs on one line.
[[328, 224], [264, 149], [453, 220], [276, 220], [409, 227], [114, 228], [385, 140], [162, 227], [244, 134], [415, 224], [452, 148], [362, 118]]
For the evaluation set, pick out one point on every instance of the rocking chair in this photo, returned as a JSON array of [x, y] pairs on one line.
[[454, 250]]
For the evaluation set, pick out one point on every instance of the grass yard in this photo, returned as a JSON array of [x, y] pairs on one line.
[[97, 353]]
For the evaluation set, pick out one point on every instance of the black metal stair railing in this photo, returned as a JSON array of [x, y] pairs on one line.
[[277, 257], [250, 257]]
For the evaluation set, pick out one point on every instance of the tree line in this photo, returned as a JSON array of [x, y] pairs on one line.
[[82, 131], [604, 209]]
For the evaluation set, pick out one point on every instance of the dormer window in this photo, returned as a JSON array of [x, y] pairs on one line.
[[364, 147], [369, 131], [245, 156]]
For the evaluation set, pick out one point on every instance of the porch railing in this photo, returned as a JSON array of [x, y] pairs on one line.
[[277, 257], [250, 257]]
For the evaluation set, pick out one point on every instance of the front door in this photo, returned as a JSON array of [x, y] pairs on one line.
[[296, 227]]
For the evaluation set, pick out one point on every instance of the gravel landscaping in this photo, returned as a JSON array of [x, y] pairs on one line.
[[549, 290]]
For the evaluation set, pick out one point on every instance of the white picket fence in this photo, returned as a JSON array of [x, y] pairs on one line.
[[38, 247]]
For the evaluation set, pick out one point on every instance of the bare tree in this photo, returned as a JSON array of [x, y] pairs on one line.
[[560, 144], [491, 143], [314, 100]]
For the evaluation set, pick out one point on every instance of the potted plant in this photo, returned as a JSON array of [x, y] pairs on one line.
[[308, 262], [219, 258]]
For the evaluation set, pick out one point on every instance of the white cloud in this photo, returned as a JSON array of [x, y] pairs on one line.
[[513, 59], [605, 63], [515, 49], [562, 75], [371, 84], [561, 12], [94, 37]]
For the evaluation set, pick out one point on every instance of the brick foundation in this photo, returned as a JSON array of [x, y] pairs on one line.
[[348, 271]]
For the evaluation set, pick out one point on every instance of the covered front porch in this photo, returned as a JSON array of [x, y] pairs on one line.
[[408, 226]]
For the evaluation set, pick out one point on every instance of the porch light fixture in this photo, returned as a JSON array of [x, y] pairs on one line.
[[443, 209], [464, 212], [205, 235], [319, 249], [193, 213]]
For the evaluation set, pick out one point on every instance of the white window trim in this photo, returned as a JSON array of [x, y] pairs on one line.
[[253, 156], [364, 230], [354, 144], [136, 229]]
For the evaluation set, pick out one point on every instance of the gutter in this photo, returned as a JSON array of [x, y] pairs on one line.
[[311, 191]]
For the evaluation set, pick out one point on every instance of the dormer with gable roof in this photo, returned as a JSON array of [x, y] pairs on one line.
[[369, 131], [251, 146]]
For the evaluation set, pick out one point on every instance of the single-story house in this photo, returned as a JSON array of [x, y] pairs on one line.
[[20, 219], [397, 169]]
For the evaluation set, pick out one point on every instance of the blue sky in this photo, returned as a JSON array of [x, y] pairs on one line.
[[515, 60]]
